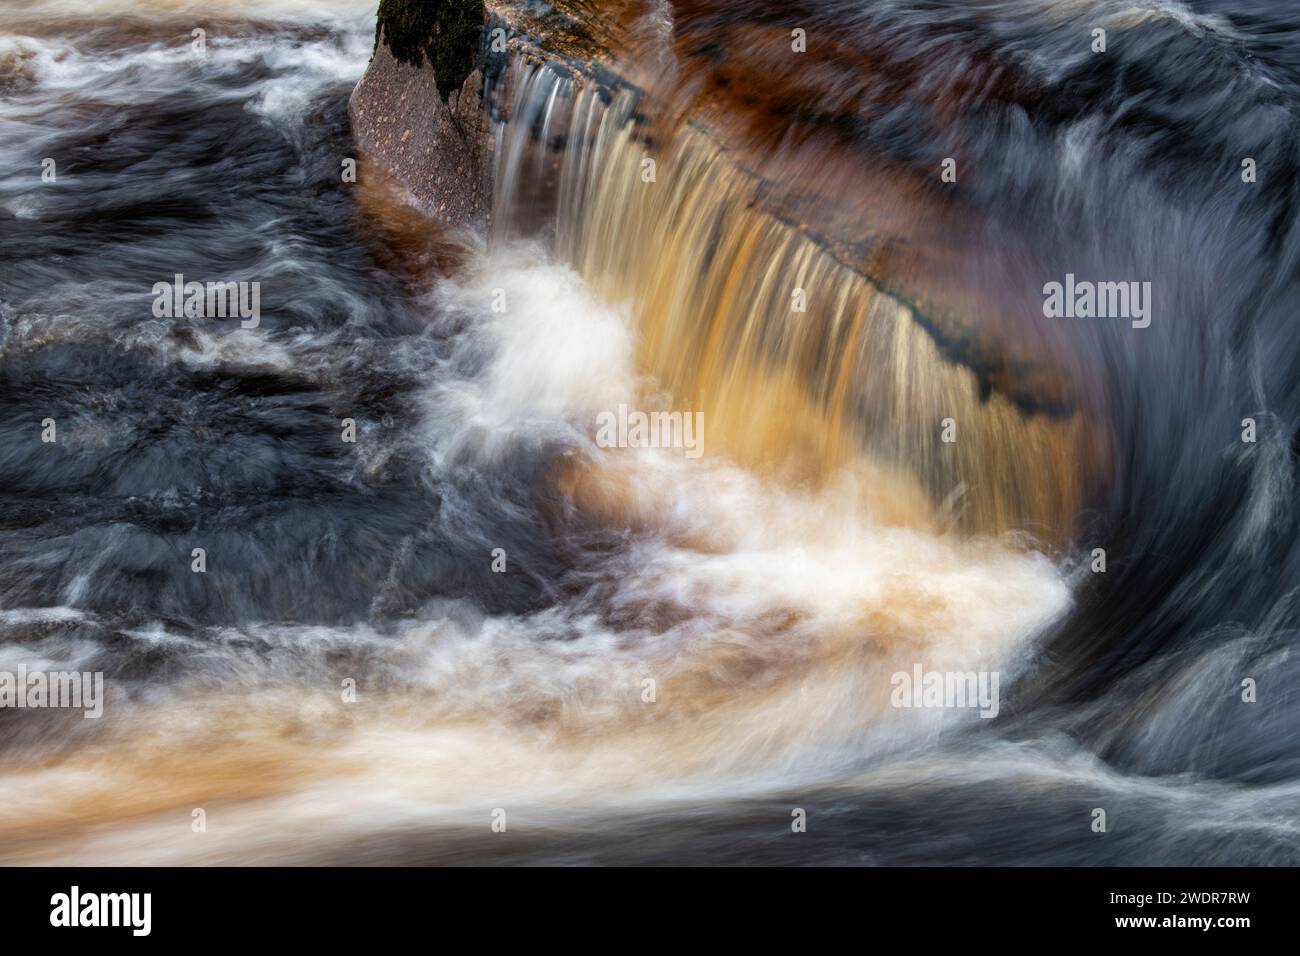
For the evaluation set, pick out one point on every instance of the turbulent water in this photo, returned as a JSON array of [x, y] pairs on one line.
[[476, 611]]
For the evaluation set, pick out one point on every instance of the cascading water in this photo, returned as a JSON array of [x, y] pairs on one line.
[[637, 654], [712, 285]]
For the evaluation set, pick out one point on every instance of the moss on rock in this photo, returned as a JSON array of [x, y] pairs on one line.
[[443, 32]]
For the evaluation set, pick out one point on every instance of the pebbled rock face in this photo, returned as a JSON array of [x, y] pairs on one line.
[[423, 112], [438, 150]]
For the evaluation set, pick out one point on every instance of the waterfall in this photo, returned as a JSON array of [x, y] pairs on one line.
[[848, 380]]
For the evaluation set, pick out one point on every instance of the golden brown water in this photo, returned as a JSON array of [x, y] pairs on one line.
[[681, 650], [802, 366], [768, 590]]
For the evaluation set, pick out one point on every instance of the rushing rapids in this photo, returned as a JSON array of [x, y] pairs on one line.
[[365, 578]]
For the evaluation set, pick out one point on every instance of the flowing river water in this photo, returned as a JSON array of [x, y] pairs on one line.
[[641, 655]]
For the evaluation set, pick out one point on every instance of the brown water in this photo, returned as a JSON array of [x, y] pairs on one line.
[[826, 539]]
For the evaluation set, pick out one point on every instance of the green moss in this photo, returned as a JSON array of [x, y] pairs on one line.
[[443, 32]]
